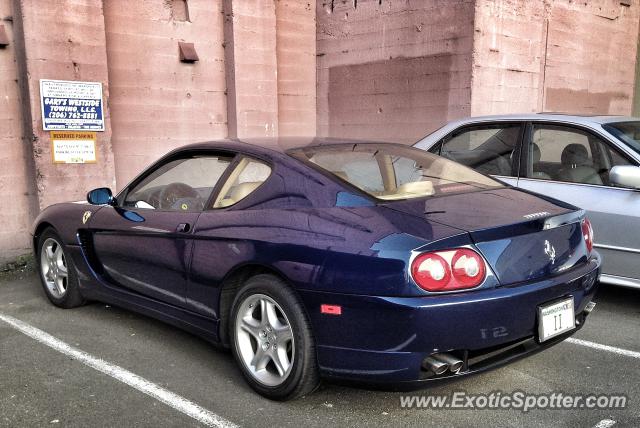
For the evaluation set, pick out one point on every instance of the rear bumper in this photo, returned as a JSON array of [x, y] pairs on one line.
[[384, 340]]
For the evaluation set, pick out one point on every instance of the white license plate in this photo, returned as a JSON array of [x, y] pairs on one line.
[[555, 318]]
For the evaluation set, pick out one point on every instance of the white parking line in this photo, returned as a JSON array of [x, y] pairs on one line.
[[161, 394], [605, 423], [594, 345]]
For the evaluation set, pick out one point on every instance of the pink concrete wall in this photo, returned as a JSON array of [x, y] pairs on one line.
[[16, 182], [158, 103], [296, 55], [554, 56], [71, 47], [252, 78], [392, 70], [388, 70], [591, 56], [507, 58]]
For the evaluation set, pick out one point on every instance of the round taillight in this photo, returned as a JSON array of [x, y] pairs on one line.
[[431, 272], [449, 270], [587, 233], [468, 268]]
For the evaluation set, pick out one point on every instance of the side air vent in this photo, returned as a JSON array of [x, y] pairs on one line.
[[85, 239]]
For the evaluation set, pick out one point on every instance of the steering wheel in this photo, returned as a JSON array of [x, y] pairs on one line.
[[174, 191]]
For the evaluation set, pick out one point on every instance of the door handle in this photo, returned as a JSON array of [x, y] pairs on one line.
[[183, 228]]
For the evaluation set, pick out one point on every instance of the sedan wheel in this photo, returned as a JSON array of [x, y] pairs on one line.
[[54, 268], [265, 339]]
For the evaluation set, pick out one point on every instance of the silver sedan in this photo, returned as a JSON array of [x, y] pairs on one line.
[[588, 161]]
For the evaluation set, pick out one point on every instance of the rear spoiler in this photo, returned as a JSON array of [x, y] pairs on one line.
[[531, 224], [564, 219]]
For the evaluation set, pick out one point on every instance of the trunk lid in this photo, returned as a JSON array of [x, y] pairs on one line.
[[523, 237]]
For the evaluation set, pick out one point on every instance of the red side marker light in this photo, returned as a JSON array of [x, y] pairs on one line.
[[331, 309]]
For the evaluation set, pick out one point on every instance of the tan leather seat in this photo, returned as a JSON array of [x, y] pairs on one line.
[[239, 192], [411, 189], [417, 187]]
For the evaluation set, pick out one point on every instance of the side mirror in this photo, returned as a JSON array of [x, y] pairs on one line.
[[100, 196], [625, 176]]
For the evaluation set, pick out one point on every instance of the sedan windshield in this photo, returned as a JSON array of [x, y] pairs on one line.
[[627, 132], [392, 172]]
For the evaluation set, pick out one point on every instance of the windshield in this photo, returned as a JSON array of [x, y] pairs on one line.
[[627, 132], [391, 172]]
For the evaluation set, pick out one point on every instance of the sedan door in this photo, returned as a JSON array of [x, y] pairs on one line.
[[572, 164], [144, 244], [489, 148]]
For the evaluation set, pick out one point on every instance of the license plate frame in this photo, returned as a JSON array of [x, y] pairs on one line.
[[556, 318]]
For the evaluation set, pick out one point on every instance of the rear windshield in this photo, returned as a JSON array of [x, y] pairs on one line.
[[393, 172], [627, 132]]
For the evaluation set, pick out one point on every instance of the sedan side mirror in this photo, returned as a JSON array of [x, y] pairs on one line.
[[101, 196], [625, 176]]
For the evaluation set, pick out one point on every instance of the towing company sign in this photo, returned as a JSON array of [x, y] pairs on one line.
[[68, 105]]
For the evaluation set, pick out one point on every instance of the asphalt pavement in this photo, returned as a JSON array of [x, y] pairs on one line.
[[43, 386]]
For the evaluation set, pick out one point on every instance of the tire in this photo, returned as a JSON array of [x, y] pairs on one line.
[[276, 353], [57, 272]]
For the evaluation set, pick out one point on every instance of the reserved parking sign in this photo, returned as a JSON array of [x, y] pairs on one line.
[[73, 147]]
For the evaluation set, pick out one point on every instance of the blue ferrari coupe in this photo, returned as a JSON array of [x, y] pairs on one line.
[[323, 258]]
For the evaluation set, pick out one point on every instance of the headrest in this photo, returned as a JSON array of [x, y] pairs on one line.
[[575, 154]]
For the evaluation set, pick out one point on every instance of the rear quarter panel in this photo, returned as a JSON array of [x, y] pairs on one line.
[[363, 250]]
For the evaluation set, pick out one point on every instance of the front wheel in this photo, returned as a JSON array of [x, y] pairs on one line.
[[57, 272], [272, 341]]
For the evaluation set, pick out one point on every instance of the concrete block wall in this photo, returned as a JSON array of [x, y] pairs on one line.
[[381, 69], [158, 103], [71, 48], [508, 53], [296, 56], [555, 55], [396, 70], [256, 68], [591, 56], [17, 183], [392, 70], [252, 69]]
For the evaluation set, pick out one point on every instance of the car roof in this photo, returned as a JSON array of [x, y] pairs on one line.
[[551, 116], [594, 122], [271, 145]]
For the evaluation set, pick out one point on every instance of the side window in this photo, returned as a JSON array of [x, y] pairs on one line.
[[406, 171], [361, 169], [179, 185], [570, 155], [246, 177], [488, 149]]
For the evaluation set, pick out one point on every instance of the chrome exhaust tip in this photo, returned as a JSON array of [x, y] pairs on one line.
[[454, 364], [435, 365]]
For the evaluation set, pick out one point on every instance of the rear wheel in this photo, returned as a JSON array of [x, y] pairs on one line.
[[57, 272], [272, 341]]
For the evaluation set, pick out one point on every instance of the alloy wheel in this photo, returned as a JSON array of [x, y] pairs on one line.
[[54, 268], [265, 339]]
